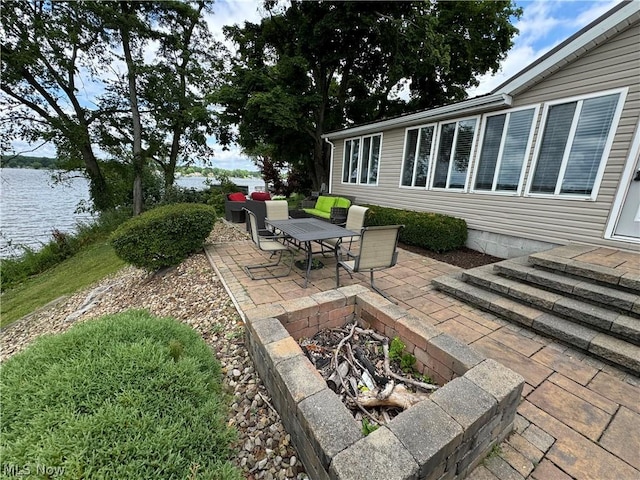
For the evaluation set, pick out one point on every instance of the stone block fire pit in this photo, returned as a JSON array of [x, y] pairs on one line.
[[445, 436]]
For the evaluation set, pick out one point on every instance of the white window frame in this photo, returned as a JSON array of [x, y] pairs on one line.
[[525, 161], [472, 153], [434, 141], [359, 166], [565, 158]]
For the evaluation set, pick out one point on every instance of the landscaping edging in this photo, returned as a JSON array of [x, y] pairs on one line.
[[445, 436]]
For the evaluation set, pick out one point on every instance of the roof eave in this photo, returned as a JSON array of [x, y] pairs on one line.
[[616, 20], [467, 107]]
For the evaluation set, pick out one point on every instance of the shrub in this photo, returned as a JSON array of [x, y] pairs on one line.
[[164, 236], [125, 396], [433, 231]]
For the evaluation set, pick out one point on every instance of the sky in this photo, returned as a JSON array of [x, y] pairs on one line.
[[543, 25]]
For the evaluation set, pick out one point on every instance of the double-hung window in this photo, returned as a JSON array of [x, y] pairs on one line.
[[575, 139], [506, 142], [455, 144], [418, 150], [361, 160]]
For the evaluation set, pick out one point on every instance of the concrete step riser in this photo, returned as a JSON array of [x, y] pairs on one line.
[[624, 354], [610, 322], [629, 282], [605, 297]]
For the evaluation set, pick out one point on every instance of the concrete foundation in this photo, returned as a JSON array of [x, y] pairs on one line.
[[504, 246]]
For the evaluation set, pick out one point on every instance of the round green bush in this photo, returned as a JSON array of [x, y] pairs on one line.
[[164, 236], [125, 396]]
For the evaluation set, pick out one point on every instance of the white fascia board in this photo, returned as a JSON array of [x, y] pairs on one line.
[[466, 107], [591, 38]]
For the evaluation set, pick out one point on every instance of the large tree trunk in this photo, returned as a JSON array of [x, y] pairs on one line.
[[98, 187], [138, 154]]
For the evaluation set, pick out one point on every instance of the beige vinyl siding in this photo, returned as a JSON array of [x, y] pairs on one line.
[[614, 64]]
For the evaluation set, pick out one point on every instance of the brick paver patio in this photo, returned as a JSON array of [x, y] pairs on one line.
[[579, 418]]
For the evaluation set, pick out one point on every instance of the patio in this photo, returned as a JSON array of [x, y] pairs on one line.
[[579, 417]]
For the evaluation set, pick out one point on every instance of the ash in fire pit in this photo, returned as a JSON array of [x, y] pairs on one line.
[[372, 374]]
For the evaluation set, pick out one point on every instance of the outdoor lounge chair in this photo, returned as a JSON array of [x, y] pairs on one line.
[[378, 250], [269, 245], [355, 222]]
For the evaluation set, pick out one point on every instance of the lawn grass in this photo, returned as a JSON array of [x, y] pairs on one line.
[[124, 396], [88, 266]]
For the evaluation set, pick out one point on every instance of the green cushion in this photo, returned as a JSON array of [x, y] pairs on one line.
[[342, 202], [324, 204], [317, 213]]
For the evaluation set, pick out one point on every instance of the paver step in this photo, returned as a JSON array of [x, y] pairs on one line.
[[630, 281], [611, 297], [612, 322], [614, 350]]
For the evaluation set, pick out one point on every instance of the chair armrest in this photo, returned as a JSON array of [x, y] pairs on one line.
[[308, 204]]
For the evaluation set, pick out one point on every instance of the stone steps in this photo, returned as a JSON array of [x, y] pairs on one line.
[[593, 308], [607, 296], [629, 281], [598, 317]]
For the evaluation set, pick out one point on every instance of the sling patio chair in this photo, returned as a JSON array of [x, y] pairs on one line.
[[269, 245], [378, 250], [278, 210], [355, 221]]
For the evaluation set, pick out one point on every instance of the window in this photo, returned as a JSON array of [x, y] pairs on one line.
[[454, 150], [505, 146], [574, 142], [417, 156], [361, 160]]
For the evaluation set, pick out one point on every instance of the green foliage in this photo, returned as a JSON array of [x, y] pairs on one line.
[[24, 161], [311, 67], [433, 231], [61, 247], [396, 348], [108, 399], [368, 427], [397, 353], [164, 236], [91, 264]]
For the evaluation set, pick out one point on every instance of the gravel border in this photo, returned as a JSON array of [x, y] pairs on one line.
[[193, 294]]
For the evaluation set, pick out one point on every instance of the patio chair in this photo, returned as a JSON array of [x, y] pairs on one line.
[[269, 245], [355, 222], [277, 210], [378, 250]]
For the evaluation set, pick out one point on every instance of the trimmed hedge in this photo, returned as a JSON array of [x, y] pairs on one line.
[[433, 231], [164, 236], [128, 396]]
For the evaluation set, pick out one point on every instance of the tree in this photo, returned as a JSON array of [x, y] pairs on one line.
[[53, 51], [317, 66], [44, 47]]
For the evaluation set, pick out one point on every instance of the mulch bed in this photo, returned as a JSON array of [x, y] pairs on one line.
[[463, 257]]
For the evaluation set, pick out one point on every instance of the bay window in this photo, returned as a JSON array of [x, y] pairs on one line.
[[574, 142], [361, 160], [454, 151], [417, 156], [506, 142]]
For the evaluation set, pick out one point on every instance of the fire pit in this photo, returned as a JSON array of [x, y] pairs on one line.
[[447, 434]]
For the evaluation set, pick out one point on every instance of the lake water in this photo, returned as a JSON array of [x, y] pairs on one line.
[[32, 206]]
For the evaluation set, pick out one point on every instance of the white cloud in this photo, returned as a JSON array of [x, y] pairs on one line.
[[543, 25]]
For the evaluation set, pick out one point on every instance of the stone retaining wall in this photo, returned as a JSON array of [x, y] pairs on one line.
[[443, 437]]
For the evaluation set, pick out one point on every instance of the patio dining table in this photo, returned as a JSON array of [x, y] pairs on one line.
[[308, 230]]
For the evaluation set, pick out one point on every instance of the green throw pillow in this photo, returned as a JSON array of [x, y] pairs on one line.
[[343, 202], [325, 203]]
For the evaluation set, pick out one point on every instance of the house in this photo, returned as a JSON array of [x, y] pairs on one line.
[[548, 158]]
